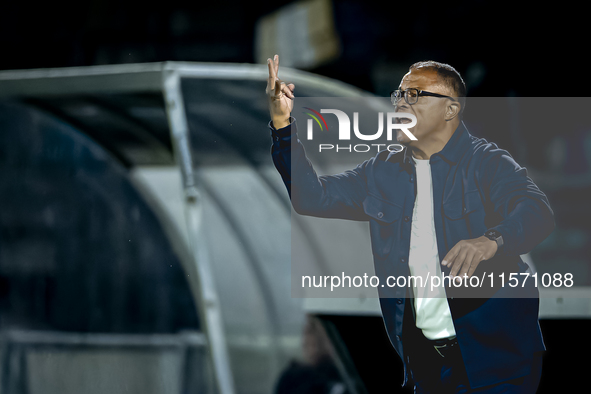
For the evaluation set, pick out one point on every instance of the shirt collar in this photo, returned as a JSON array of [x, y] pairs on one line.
[[451, 153]]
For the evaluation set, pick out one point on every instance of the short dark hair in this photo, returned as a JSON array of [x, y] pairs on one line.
[[449, 76]]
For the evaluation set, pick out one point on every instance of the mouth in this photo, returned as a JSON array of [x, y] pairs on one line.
[[401, 120]]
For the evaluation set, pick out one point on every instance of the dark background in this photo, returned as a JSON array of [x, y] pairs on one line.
[[500, 47]]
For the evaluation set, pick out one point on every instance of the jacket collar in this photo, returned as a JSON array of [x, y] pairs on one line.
[[451, 153]]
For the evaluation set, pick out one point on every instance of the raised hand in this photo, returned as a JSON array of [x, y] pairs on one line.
[[280, 95]]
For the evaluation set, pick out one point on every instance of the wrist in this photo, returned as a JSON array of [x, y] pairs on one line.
[[492, 244], [281, 122], [496, 237]]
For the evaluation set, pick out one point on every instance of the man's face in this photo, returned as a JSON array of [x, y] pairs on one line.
[[430, 111]]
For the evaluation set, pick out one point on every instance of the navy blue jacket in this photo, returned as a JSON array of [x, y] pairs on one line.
[[476, 187]]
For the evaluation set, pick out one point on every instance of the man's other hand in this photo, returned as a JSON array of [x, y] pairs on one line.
[[280, 95], [464, 257]]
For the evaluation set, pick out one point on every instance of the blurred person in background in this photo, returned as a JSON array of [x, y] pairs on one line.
[[316, 372]]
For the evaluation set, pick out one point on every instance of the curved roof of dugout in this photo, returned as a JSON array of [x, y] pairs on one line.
[[194, 141]]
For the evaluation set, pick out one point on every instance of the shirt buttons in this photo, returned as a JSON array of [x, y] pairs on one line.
[[403, 260], [406, 218], [399, 301], [412, 179], [276, 138], [398, 337], [380, 214]]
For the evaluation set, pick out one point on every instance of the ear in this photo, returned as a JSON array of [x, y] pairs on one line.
[[452, 111]]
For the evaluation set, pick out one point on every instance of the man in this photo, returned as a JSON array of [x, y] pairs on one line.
[[448, 203]]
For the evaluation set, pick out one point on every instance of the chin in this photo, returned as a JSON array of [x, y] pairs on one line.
[[403, 139]]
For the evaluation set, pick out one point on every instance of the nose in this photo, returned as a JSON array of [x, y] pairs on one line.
[[401, 106]]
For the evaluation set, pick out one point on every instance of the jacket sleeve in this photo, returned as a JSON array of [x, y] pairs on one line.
[[334, 196], [527, 218]]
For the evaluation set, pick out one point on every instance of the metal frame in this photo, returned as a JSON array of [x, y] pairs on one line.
[[208, 301], [147, 77], [15, 343], [165, 77]]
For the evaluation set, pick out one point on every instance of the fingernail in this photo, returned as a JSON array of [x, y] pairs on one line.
[[444, 262]]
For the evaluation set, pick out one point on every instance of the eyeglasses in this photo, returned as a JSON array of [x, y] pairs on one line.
[[411, 95]]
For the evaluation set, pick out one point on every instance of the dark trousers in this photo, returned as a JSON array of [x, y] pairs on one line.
[[433, 373]]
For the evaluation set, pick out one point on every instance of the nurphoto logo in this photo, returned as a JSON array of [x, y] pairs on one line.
[[394, 121]]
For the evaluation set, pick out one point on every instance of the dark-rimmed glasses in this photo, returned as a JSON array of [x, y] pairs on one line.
[[411, 95]]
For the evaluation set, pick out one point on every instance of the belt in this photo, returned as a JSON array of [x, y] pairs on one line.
[[445, 345]]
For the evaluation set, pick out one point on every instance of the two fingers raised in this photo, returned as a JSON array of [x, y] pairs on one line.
[[275, 86]]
